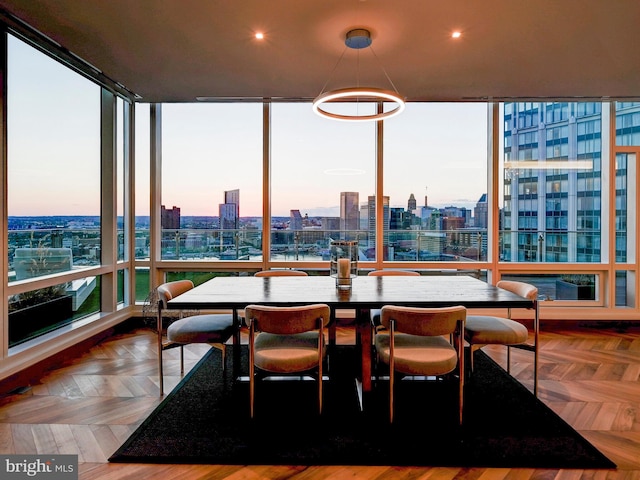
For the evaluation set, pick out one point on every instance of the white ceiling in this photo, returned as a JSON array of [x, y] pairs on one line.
[[177, 50]]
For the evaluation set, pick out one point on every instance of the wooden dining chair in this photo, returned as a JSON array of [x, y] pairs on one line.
[[375, 312], [213, 329], [422, 342], [481, 330], [286, 340]]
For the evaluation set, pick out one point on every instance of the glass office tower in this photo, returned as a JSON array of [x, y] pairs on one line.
[[552, 182], [553, 177]]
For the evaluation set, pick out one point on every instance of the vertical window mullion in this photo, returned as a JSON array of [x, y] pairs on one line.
[[108, 192]]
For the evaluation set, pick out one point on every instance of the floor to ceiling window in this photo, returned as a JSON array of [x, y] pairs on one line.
[[53, 190], [142, 234], [549, 196], [322, 184], [553, 190], [211, 182], [223, 166], [557, 199], [627, 147], [436, 198], [435, 177], [552, 183]]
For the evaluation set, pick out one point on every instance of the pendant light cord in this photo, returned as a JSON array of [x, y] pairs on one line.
[[333, 71], [383, 70]]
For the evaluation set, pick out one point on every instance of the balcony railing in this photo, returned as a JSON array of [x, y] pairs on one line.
[[313, 245], [310, 245], [39, 252]]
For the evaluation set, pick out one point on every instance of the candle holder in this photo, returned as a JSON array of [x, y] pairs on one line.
[[344, 262]]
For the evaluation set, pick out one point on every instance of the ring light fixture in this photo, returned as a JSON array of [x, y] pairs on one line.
[[357, 39]]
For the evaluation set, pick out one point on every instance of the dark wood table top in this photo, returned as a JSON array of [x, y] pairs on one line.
[[366, 292]]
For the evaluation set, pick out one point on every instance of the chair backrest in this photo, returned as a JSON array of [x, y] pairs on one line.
[[287, 320], [281, 273], [390, 273], [169, 290], [523, 289], [423, 321]]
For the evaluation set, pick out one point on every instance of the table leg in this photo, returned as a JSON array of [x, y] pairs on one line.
[[363, 341], [236, 343], [332, 329]]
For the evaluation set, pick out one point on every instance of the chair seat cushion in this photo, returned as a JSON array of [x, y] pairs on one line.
[[418, 355], [287, 353], [215, 328], [487, 330]]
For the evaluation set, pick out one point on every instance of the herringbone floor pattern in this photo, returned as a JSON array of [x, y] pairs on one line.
[[89, 406]]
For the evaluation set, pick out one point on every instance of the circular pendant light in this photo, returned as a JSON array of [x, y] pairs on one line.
[[358, 39]]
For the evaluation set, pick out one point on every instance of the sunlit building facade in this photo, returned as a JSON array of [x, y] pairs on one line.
[[349, 214], [553, 177]]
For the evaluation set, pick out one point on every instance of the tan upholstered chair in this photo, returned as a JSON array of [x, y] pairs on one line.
[[481, 330], [375, 312], [278, 273], [286, 340], [281, 273], [214, 329], [422, 342]]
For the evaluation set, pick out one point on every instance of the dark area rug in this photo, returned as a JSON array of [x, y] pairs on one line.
[[206, 420]]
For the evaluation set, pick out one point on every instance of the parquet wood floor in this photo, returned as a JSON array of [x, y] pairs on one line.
[[91, 404]]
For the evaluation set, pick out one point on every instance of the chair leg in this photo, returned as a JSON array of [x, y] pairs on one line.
[[181, 360], [160, 365], [223, 351], [460, 400], [472, 350], [391, 382], [320, 388], [251, 389], [160, 371], [251, 373], [159, 334], [461, 374]]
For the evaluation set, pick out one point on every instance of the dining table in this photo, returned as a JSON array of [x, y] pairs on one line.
[[365, 293]]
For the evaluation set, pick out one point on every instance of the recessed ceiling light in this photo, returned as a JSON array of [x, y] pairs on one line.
[[456, 34], [259, 35]]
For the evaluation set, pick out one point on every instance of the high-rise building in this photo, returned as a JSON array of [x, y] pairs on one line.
[[364, 216], [457, 212], [228, 218], [295, 220], [349, 215], [170, 217], [232, 197], [412, 204], [371, 227], [396, 218], [481, 213], [552, 209], [229, 211]]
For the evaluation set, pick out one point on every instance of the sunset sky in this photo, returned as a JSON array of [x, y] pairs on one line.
[[54, 145]]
